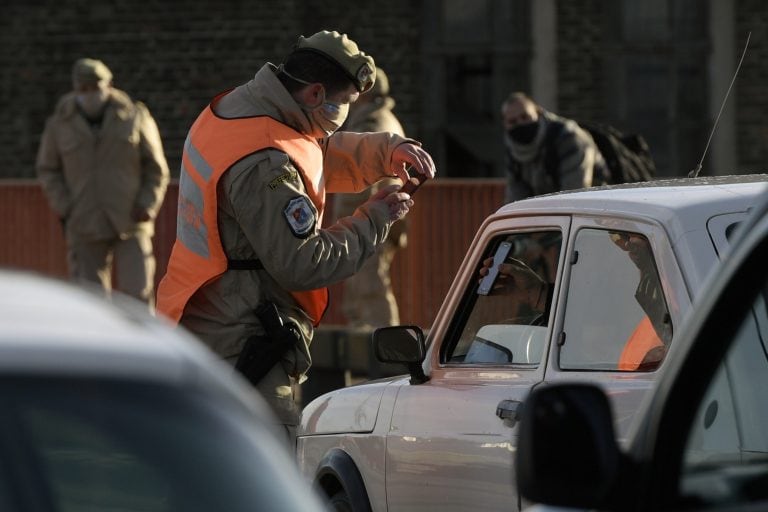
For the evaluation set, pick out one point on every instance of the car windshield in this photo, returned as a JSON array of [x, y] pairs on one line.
[[82, 445]]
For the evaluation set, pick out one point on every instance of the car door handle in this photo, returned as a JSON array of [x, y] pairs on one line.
[[509, 409]]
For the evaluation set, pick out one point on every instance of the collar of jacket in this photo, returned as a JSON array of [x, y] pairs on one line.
[[119, 101], [266, 95]]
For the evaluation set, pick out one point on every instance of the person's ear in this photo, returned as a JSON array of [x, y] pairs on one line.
[[313, 95]]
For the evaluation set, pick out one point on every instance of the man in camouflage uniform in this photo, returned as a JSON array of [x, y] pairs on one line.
[[256, 166], [102, 167]]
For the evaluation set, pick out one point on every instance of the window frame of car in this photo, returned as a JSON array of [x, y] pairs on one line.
[[673, 283], [663, 262], [674, 287], [454, 318]]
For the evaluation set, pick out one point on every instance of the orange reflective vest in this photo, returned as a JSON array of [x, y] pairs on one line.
[[642, 340], [213, 145]]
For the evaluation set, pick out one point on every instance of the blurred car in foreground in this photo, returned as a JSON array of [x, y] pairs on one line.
[[700, 440], [106, 408], [591, 285]]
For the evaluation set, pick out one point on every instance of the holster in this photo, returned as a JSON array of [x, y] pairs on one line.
[[261, 353]]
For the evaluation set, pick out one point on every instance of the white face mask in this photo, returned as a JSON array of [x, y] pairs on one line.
[[329, 116], [92, 102]]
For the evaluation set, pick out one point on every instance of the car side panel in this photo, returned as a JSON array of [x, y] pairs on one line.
[[447, 446], [367, 450]]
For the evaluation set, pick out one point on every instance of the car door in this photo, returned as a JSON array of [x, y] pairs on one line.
[[452, 439], [622, 297], [725, 461], [706, 443]]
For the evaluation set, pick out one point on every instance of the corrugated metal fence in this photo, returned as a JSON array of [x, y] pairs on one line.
[[441, 227]]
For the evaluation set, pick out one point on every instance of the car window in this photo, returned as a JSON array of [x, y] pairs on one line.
[[721, 229], [507, 322], [726, 455], [107, 446], [616, 316]]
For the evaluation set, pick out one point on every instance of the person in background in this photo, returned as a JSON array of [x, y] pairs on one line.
[[544, 152], [250, 266], [103, 170], [368, 300]]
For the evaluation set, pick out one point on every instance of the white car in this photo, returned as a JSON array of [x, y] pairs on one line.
[[588, 285], [700, 439], [105, 408]]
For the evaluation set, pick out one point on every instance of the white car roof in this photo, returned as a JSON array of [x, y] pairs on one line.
[[52, 327], [686, 200]]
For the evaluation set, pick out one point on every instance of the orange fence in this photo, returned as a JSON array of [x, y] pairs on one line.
[[441, 226]]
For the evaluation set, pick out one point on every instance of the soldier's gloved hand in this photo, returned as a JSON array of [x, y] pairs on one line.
[[398, 202], [411, 154]]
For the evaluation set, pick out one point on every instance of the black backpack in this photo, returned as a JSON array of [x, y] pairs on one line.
[[627, 156]]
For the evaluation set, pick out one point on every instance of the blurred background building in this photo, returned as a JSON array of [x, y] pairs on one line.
[[657, 67]]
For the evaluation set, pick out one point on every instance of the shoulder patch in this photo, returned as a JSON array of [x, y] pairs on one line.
[[289, 176], [300, 216]]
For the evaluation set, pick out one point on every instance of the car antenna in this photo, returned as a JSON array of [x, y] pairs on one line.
[[694, 173]]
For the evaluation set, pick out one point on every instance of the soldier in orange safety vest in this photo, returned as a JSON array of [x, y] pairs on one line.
[[256, 166]]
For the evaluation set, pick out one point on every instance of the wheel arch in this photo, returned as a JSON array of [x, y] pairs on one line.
[[337, 471]]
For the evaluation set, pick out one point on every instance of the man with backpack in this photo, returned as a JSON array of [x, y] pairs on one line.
[[545, 152], [548, 153]]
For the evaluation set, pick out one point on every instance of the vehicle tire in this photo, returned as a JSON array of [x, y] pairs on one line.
[[340, 502]]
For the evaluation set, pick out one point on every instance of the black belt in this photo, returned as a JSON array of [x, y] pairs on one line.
[[244, 265]]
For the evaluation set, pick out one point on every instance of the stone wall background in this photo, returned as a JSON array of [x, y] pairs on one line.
[[176, 55]]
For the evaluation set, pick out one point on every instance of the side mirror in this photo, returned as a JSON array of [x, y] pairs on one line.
[[402, 344], [567, 454]]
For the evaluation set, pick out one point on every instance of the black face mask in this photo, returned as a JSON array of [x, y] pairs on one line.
[[524, 133]]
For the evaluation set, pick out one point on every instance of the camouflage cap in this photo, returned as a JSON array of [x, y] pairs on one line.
[[90, 70], [339, 48]]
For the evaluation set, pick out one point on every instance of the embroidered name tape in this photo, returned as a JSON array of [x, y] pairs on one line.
[[288, 176]]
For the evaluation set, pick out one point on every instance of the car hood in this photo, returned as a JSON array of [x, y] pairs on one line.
[[346, 410]]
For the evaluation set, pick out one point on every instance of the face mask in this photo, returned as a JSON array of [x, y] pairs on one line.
[[330, 116], [524, 133], [92, 102]]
